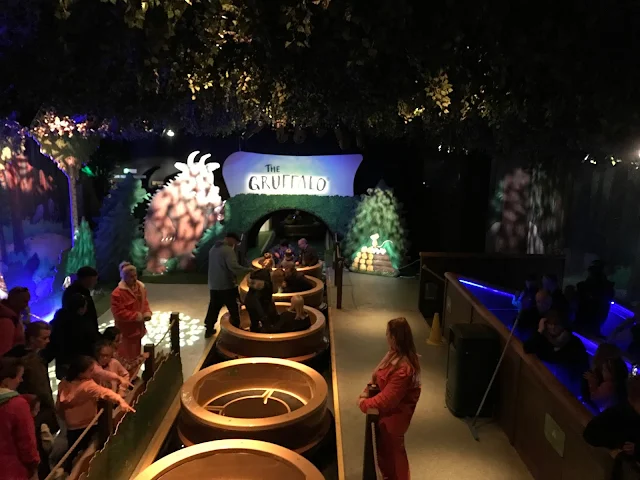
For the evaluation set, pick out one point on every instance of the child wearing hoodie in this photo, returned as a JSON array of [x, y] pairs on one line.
[[19, 456], [104, 356], [78, 396]]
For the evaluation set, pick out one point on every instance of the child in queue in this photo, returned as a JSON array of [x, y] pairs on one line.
[[104, 356], [114, 337], [78, 396], [44, 438]]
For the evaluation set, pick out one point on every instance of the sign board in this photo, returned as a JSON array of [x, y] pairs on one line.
[[257, 173]]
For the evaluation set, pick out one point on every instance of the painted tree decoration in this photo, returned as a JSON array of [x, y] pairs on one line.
[[180, 213], [118, 233], [68, 144], [376, 240], [83, 253]]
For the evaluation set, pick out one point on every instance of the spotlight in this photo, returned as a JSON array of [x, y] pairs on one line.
[[170, 133]]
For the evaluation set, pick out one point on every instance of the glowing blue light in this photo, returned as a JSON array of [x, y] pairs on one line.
[[589, 345], [484, 287]]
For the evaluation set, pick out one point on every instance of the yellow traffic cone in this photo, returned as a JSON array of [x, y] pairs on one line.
[[435, 337]]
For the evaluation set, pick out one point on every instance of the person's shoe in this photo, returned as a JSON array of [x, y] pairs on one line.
[[209, 333]]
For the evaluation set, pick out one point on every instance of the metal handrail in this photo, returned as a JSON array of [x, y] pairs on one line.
[[439, 277]]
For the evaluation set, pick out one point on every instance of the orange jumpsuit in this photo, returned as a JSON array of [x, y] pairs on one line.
[[396, 402], [129, 308]]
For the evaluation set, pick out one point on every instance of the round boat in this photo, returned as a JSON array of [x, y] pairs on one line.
[[312, 271], [232, 460], [300, 346], [266, 399], [312, 297]]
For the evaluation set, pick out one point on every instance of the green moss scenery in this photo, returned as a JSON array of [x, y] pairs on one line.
[[83, 252]]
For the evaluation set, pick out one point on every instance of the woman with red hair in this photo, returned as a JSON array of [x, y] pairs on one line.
[[130, 309], [398, 379]]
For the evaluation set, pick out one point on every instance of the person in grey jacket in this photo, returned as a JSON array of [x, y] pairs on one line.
[[223, 289]]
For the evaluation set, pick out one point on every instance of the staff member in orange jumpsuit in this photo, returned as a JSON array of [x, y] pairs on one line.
[[398, 378], [130, 309]]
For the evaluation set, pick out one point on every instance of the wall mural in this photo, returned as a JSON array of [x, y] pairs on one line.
[[35, 223], [180, 213]]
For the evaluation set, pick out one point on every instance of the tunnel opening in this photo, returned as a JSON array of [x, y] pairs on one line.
[[290, 225]]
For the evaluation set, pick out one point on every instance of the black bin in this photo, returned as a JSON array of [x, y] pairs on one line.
[[474, 350]]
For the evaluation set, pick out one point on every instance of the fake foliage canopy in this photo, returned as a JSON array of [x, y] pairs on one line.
[[379, 212], [119, 236]]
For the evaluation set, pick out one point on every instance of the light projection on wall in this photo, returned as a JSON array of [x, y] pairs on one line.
[[256, 173], [180, 213]]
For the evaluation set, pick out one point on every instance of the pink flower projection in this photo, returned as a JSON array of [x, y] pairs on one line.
[[181, 211]]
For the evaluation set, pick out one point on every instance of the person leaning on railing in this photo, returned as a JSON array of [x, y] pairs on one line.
[[114, 337], [78, 396], [398, 378]]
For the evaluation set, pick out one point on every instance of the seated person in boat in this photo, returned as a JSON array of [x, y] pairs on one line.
[[279, 252], [295, 318], [277, 281], [295, 282], [308, 256], [618, 427], [267, 261], [530, 315], [288, 260], [555, 344]]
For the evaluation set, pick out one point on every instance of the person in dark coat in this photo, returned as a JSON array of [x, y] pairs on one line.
[[35, 380], [86, 281], [259, 301], [558, 301], [618, 428], [295, 282], [595, 295], [72, 334], [554, 344], [308, 255]]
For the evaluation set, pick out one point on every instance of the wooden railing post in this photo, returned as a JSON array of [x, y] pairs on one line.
[[105, 422], [150, 362], [174, 322]]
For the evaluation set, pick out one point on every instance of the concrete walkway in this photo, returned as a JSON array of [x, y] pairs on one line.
[[439, 445]]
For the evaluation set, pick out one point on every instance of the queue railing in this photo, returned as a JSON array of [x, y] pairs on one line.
[[109, 417]]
